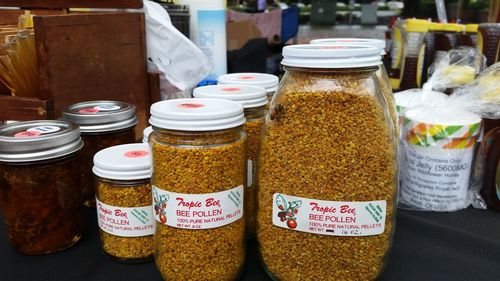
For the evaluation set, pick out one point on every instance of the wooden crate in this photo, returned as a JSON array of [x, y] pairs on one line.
[[91, 57]]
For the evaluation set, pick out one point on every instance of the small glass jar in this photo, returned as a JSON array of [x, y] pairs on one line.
[[488, 39], [103, 124], [327, 168], [267, 81], [254, 102], [39, 194], [123, 201], [199, 174]]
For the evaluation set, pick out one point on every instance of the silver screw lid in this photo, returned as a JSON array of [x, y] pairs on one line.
[[101, 116], [38, 140]]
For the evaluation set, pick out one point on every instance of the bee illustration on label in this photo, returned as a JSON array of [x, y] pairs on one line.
[[288, 211]]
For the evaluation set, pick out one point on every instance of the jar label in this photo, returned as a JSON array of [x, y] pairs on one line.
[[434, 180], [198, 211], [37, 131], [329, 217], [136, 153], [107, 107], [125, 221]]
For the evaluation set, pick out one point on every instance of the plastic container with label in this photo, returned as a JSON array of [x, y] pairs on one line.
[[254, 101], [469, 37], [39, 194], [437, 149], [382, 75], [488, 38], [199, 152], [123, 201], [267, 81], [490, 150], [414, 52], [327, 168], [103, 124]]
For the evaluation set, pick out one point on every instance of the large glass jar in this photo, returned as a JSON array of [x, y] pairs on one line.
[[103, 124], [254, 102], [123, 199], [39, 185], [199, 175], [267, 81], [327, 169]]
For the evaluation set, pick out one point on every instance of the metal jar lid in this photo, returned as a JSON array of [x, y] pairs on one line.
[[38, 140], [101, 116]]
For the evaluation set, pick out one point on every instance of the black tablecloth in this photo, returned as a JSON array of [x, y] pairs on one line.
[[456, 246]]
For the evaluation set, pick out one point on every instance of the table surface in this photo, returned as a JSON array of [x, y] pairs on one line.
[[463, 245]]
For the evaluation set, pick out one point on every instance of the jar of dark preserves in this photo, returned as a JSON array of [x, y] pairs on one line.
[[103, 124], [412, 68], [490, 150], [39, 185]]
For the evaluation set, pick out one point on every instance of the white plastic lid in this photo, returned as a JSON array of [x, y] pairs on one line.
[[330, 56], [196, 114], [377, 43], [248, 96], [268, 81], [415, 97], [147, 131], [123, 162], [442, 116]]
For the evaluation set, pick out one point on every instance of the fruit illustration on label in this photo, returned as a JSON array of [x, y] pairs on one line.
[[160, 206], [288, 210]]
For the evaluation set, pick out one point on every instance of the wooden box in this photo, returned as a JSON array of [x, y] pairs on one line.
[[90, 56]]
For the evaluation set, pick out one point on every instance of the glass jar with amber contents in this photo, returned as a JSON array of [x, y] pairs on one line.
[[103, 124], [123, 201], [254, 102], [199, 174], [39, 185], [327, 172]]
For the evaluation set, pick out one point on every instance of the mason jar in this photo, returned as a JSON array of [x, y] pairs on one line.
[[123, 202], [103, 124], [254, 102], [199, 175], [39, 194], [328, 168]]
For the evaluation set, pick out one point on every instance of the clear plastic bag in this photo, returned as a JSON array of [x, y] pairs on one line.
[[458, 67], [437, 146]]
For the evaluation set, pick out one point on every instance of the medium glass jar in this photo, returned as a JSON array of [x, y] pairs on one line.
[[328, 169], [490, 153], [199, 174], [103, 124], [39, 185], [123, 201], [254, 102], [267, 81]]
